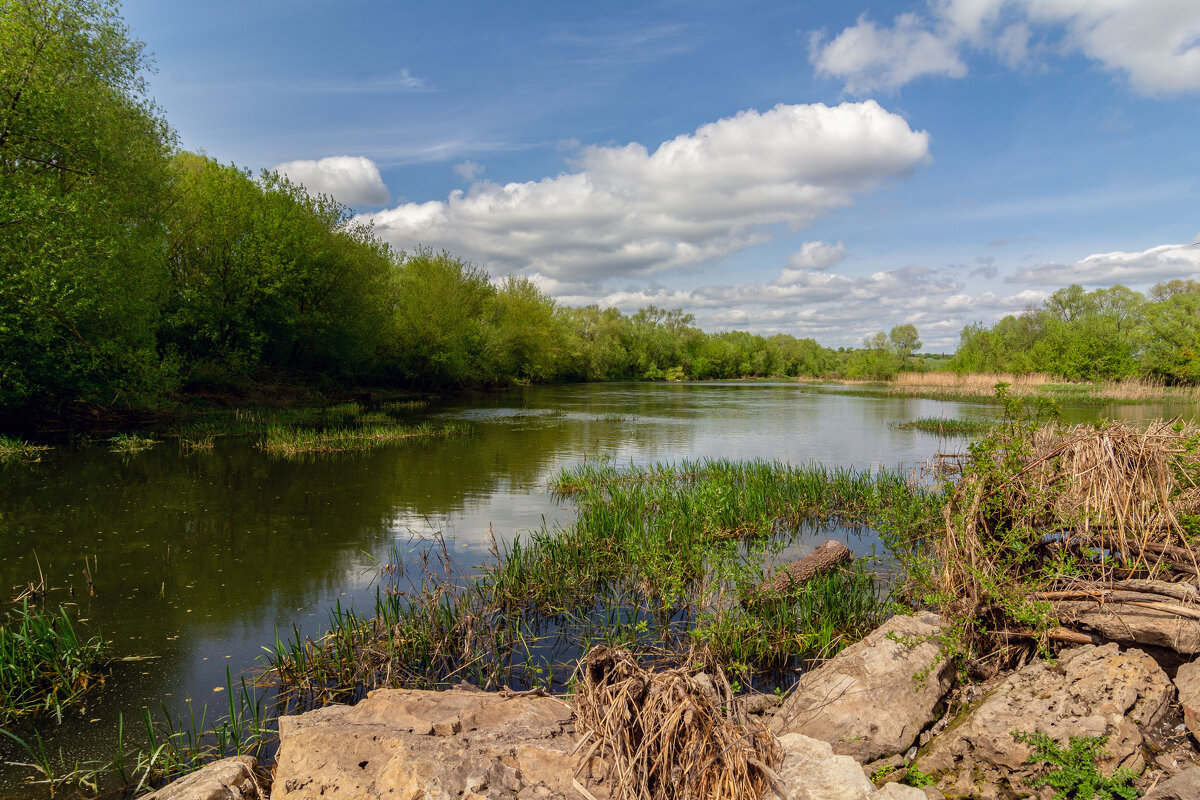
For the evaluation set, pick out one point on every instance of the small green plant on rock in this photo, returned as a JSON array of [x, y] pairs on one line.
[[1075, 774]]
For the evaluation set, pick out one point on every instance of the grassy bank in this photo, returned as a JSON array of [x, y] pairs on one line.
[[17, 451], [664, 559], [288, 442], [941, 426], [981, 387]]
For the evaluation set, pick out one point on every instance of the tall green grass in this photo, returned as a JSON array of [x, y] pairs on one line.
[[665, 559], [47, 662]]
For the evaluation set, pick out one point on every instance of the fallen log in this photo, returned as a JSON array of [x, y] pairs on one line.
[[825, 557], [1161, 624]]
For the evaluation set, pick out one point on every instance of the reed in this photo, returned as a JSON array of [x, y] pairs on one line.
[[17, 451], [982, 386], [47, 662], [288, 441]]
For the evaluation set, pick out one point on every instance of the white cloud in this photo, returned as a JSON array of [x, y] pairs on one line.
[[1161, 263], [352, 180], [1154, 43], [629, 211], [468, 170]]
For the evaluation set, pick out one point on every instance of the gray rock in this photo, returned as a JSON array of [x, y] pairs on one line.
[[1187, 682], [430, 746], [228, 779], [1089, 691], [1184, 786], [811, 771], [873, 698]]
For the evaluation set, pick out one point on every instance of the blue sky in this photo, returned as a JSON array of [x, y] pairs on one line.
[[821, 169]]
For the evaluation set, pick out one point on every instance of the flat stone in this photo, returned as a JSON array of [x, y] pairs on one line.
[[898, 791], [1184, 786], [874, 698], [812, 771], [1089, 691], [228, 779], [420, 745]]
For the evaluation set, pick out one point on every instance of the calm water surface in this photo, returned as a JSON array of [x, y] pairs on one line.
[[197, 559]]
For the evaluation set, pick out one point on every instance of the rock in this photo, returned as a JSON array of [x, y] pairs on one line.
[[1089, 691], [757, 703], [419, 745], [1184, 786], [1187, 682], [811, 771], [228, 779], [1132, 624], [873, 698], [898, 791]]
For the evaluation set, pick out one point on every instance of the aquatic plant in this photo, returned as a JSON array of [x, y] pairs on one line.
[[943, 426], [661, 560], [287, 441], [130, 443], [14, 451], [46, 661]]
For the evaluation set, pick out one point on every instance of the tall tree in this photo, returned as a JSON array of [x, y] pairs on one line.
[[84, 181]]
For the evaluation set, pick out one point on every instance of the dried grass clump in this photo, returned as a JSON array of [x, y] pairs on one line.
[[1037, 508], [671, 735]]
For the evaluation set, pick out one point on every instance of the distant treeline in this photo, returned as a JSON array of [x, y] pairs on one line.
[[1104, 334]]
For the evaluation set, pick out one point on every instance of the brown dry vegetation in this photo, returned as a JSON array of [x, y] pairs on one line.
[[1052, 513], [671, 735]]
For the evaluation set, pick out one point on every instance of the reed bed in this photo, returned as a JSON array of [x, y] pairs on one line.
[[1045, 513], [659, 559], [130, 443], [18, 451], [942, 426], [288, 442], [673, 734], [46, 662], [981, 386]]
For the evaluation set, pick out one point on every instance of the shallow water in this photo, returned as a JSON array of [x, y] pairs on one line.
[[197, 559]]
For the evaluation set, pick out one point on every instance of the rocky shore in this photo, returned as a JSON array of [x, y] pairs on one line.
[[885, 713]]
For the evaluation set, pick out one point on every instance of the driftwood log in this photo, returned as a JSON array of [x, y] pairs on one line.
[[825, 557]]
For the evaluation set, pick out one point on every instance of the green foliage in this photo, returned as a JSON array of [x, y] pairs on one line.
[[1074, 773], [914, 777], [84, 185]]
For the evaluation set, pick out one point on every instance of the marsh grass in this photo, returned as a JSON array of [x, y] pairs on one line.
[[660, 560], [17, 451], [130, 443], [47, 662], [286, 441], [942, 426], [982, 386]]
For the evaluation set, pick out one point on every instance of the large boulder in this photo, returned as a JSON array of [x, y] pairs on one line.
[[1089, 691], [1184, 786], [234, 778], [812, 771], [874, 698], [1187, 682], [420, 745]]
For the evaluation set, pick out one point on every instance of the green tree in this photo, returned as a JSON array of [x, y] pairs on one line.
[[85, 182], [905, 342]]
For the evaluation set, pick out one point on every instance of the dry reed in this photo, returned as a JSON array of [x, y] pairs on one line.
[[1046, 508], [671, 735]]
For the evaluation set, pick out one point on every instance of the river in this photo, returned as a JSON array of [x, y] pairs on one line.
[[195, 560]]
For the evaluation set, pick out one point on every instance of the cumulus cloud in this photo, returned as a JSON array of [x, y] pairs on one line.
[[352, 180], [1162, 263], [629, 211], [1154, 43]]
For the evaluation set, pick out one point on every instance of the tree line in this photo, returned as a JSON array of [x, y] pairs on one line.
[[1105, 334]]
